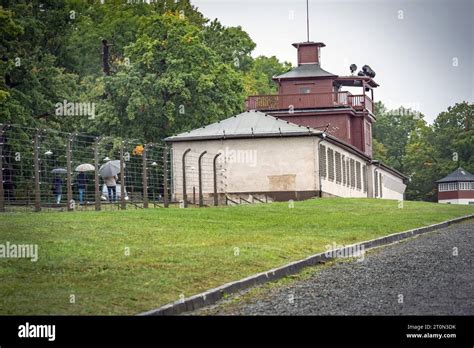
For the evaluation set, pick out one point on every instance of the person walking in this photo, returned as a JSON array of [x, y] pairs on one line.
[[81, 181], [57, 188], [111, 183]]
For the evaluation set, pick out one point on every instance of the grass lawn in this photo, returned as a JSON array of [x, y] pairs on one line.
[[177, 252]]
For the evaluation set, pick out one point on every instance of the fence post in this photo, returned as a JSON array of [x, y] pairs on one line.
[[68, 174], [2, 193], [165, 177], [145, 178], [214, 165], [201, 200], [122, 179], [185, 197], [96, 174], [37, 172]]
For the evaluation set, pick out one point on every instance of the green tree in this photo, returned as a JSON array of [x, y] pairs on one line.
[[174, 83], [259, 79]]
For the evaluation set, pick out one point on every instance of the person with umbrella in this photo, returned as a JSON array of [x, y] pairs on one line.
[[58, 183], [111, 183], [81, 179], [57, 188], [108, 172]]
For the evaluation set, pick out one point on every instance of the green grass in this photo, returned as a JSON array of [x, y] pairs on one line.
[[179, 251]]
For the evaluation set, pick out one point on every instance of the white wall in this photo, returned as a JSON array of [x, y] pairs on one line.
[[272, 164], [340, 189], [253, 165], [457, 201]]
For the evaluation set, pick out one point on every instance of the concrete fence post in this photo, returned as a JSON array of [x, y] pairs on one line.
[[214, 166], [145, 177], [2, 193], [123, 204], [96, 174], [185, 197], [165, 177], [69, 172], [201, 199], [37, 171]]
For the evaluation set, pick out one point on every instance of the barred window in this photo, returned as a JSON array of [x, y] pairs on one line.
[[343, 170], [359, 185], [338, 167], [376, 184], [322, 160], [364, 177], [352, 172], [381, 184], [330, 164]]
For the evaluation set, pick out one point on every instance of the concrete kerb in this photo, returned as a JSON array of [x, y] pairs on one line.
[[213, 295]]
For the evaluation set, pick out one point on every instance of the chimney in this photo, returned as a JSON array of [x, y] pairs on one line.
[[309, 52]]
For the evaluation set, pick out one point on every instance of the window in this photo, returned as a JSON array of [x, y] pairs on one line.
[[358, 176], [343, 170], [330, 164], [364, 177], [452, 186], [465, 186], [338, 167], [322, 161], [368, 133], [305, 90], [352, 172]]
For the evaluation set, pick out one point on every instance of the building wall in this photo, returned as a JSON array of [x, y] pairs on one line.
[[463, 194], [339, 124], [321, 85], [457, 201], [308, 54], [344, 126], [285, 164], [283, 167], [354, 176]]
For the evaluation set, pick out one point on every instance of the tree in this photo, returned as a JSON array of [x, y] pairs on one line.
[[258, 80], [174, 83], [393, 129], [453, 136]]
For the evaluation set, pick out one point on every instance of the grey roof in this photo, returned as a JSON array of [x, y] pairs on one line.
[[305, 70], [458, 175], [245, 125]]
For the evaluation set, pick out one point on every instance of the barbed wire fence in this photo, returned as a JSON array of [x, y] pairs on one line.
[[48, 170]]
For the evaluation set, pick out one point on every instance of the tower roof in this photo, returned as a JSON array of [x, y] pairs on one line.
[[458, 175], [305, 71]]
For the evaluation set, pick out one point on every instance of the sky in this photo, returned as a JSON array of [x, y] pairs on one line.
[[421, 50]]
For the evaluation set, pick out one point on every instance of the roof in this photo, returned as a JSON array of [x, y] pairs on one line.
[[245, 125], [305, 70], [356, 81], [308, 43], [458, 175]]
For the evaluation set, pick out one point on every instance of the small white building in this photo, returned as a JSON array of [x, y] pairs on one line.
[[456, 188], [263, 157]]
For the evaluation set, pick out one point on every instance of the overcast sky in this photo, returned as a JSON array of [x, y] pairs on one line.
[[413, 46]]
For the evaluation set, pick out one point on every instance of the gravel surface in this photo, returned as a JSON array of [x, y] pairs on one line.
[[423, 270]]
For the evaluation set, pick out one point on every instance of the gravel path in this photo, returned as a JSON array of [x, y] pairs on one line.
[[423, 270]]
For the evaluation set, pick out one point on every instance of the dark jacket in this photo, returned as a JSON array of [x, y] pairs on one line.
[[57, 186], [81, 181]]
